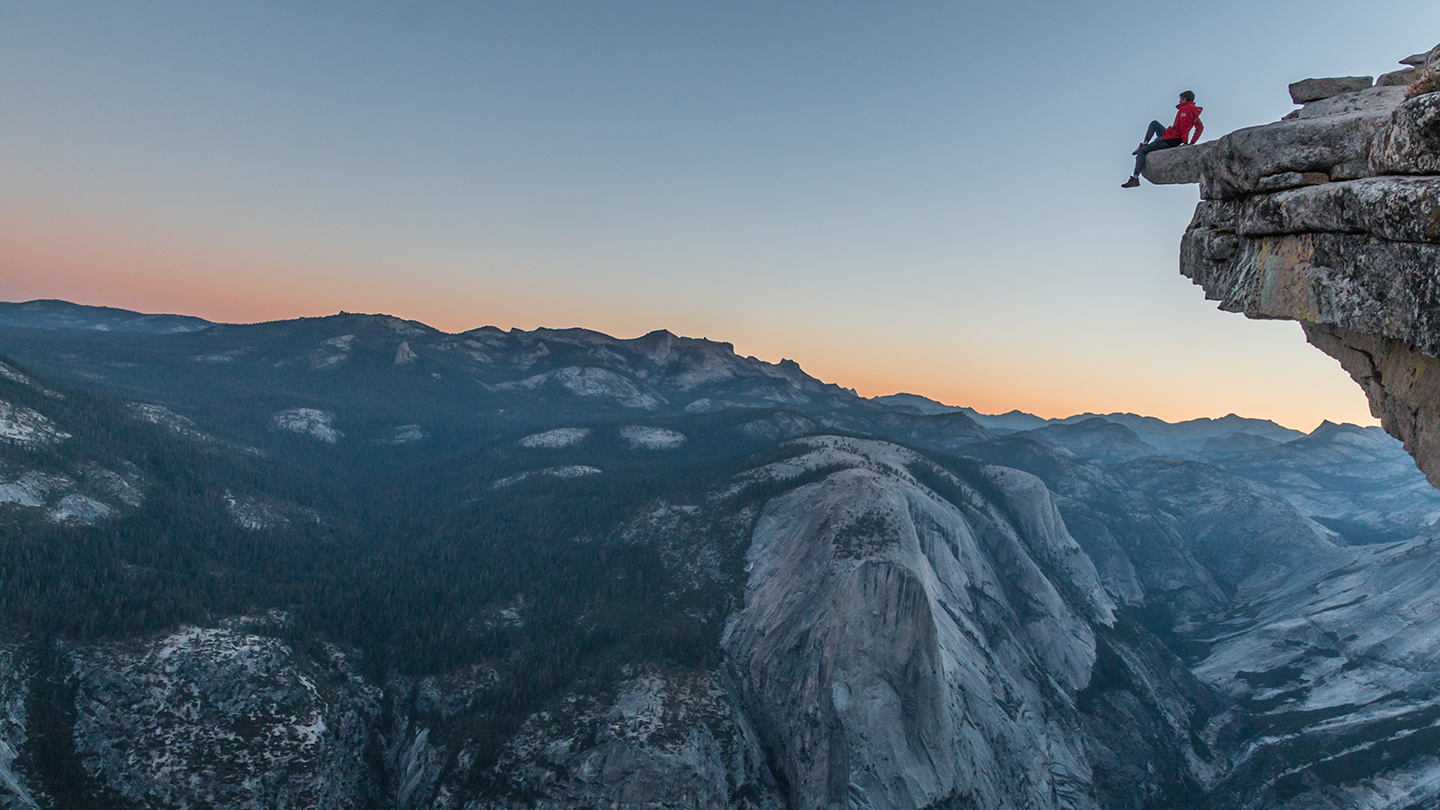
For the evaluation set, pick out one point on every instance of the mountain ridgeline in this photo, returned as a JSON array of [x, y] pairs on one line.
[[357, 562]]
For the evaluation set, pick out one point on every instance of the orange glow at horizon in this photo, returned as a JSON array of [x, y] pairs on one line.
[[119, 265], [109, 264]]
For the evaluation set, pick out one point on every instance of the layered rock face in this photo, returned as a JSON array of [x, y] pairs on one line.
[[1332, 218]]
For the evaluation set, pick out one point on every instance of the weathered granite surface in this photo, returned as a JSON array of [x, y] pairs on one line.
[[864, 651], [1178, 166], [1332, 218], [1307, 90]]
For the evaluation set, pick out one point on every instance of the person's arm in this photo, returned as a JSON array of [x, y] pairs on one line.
[[1199, 128]]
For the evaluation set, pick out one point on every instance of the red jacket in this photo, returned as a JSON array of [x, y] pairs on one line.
[[1186, 119]]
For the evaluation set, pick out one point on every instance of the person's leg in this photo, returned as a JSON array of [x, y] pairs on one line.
[[1144, 150], [1156, 131]]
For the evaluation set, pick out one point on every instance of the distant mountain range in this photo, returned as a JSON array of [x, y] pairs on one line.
[[1183, 440], [1371, 489], [53, 314], [1180, 439], [391, 567]]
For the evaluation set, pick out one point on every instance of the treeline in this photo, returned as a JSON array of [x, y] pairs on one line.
[[412, 565]]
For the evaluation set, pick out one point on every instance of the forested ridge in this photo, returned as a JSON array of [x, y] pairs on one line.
[[407, 562]]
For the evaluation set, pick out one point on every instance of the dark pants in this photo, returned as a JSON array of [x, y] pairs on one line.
[[1155, 131]]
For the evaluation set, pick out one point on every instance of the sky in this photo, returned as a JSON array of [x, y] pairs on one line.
[[914, 196]]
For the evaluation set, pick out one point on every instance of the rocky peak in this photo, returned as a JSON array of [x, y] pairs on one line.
[[1331, 217]]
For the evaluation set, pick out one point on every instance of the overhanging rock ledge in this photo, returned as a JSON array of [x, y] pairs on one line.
[[1331, 217]]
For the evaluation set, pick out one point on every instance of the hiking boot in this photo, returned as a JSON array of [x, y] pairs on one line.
[[1133, 182], [1137, 149]]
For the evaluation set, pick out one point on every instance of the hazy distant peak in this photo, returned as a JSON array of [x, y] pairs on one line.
[[1097, 438], [49, 313], [1333, 427], [921, 404]]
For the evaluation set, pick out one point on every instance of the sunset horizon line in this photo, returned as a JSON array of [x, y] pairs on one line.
[[940, 399]]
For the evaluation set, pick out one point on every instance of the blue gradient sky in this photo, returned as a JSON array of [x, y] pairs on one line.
[[915, 196]]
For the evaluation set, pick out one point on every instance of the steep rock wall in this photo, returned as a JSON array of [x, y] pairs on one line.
[[14, 689], [1332, 218], [905, 651]]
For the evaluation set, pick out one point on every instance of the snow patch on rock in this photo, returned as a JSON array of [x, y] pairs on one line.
[[182, 426], [253, 514], [554, 439], [26, 427], [708, 367], [308, 421], [568, 471], [640, 709], [222, 357], [80, 510], [31, 487], [590, 382], [507, 615], [651, 438], [332, 352], [817, 452]]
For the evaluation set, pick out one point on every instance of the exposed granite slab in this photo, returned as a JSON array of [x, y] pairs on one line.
[[1238, 163], [1178, 166], [1397, 209], [1307, 90]]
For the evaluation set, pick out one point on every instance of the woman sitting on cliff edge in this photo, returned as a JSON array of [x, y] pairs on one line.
[[1187, 117]]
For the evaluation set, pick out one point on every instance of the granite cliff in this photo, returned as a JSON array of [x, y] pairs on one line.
[[1331, 217]]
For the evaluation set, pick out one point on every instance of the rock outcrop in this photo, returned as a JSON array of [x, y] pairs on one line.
[[14, 690], [1332, 218], [223, 717], [671, 734], [871, 650]]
